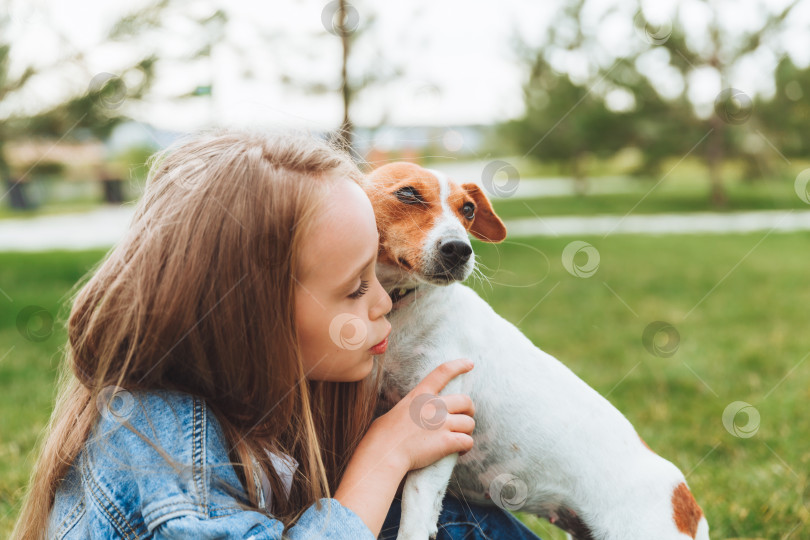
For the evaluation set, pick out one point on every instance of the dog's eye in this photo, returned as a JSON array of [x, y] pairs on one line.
[[409, 195], [468, 210]]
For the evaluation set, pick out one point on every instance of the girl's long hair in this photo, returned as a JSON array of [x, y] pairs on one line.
[[199, 297]]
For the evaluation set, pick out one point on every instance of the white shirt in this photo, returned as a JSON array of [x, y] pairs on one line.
[[285, 468]]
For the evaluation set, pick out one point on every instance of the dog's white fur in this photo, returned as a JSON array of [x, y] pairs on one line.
[[545, 441]]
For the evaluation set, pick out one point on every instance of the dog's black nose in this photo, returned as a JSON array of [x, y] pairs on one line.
[[454, 253]]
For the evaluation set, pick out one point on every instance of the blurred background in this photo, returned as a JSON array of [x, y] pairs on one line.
[[651, 161]]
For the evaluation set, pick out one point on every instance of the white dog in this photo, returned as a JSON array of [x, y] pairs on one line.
[[545, 441]]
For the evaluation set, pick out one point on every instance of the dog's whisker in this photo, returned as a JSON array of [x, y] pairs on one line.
[[484, 278]]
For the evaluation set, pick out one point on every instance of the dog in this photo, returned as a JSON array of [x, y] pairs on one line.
[[544, 441]]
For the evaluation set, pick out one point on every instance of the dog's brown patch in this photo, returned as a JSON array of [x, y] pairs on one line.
[[403, 228], [486, 226], [685, 510]]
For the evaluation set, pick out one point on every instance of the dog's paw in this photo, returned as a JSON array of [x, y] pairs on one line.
[[423, 532], [433, 527], [414, 535]]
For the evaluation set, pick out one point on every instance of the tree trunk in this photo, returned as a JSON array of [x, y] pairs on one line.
[[580, 178], [714, 159], [346, 128]]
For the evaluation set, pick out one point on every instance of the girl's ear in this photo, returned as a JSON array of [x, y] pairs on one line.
[[486, 225]]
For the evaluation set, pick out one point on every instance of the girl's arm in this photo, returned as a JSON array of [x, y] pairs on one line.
[[396, 444]]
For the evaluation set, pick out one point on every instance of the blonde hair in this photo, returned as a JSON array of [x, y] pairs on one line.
[[199, 297]]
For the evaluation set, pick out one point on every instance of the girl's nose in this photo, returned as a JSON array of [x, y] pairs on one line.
[[383, 305]]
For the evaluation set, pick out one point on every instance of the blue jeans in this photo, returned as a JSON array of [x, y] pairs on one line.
[[462, 520]]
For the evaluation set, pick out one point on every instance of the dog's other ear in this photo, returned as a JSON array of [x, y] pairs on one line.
[[486, 225]]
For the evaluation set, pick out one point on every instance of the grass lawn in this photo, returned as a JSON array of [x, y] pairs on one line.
[[50, 210], [738, 303]]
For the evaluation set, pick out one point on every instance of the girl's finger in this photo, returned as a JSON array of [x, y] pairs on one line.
[[461, 443], [459, 404], [443, 374], [460, 423]]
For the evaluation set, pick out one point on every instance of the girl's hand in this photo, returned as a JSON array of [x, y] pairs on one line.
[[421, 429], [424, 427]]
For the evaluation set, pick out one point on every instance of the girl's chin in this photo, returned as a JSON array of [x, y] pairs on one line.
[[362, 370], [368, 365]]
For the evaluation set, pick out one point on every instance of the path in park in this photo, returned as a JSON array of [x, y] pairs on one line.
[[104, 227], [686, 223]]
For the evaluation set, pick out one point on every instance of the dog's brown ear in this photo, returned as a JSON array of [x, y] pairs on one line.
[[486, 225]]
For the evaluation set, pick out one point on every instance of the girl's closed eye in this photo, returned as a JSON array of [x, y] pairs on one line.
[[360, 291]]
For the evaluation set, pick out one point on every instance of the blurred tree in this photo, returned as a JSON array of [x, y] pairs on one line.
[[657, 125], [721, 48], [785, 116], [342, 20], [96, 111], [566, 123], [92, 111], [565, 120]]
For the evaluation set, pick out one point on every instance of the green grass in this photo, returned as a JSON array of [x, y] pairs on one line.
[[28, 368], [50, 210], [743, 341], [740, 307]]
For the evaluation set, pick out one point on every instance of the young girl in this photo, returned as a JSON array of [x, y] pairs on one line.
[[219, 379]]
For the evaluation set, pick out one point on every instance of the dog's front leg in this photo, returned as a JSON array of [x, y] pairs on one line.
[[422, 499]]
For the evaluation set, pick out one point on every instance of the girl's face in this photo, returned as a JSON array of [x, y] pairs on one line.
[[340, 306]]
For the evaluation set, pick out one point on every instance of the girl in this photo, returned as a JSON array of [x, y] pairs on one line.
[[219, 378]]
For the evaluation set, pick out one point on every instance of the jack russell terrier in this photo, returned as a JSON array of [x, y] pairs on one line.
[[544, 441]]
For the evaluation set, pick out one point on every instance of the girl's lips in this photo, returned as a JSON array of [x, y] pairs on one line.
[[380, 347]]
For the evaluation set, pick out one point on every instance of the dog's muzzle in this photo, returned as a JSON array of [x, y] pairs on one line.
[[451, 261]]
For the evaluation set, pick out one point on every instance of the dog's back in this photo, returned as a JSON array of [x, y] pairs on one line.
[[545, 441]]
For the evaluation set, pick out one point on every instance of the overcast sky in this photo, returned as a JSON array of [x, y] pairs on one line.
[[456, 56]]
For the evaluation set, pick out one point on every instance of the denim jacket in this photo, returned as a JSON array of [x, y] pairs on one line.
[[120, 486]]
